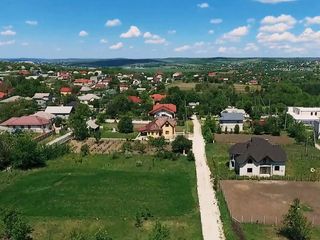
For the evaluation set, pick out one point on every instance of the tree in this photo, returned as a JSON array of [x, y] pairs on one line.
[[160, 232], [190, 156], [78, 122], [295, 225], [236, 129], [97, 135], [26, 153], [14, 226], [158, 143], [125, 125], [5, 150], [181, 144]]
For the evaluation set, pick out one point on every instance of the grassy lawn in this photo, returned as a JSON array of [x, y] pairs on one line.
[[188, 126], [298, 165], [103, 192]]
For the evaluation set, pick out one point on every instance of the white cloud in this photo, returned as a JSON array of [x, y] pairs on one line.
[[182, 48], [199, 44], [25, 44], [236, 33], [279, 27], [32, 22], [274, 1], [5, 43], [287, 48], [8, 32], [103, 41], [312, 20], [283, 18], [203, 5], [116, 46], [132, 33], [83, 33], [216, 21], [211, 31], [113, 22], [172, 32], [227, 50], [251, 47], [153, 38]]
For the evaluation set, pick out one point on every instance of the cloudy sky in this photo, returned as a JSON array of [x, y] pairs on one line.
[[159, 28]]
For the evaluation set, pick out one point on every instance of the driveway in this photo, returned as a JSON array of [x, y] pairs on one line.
[[209, 211]]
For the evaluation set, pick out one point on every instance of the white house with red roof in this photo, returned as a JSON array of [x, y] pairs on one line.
[[164, 110], [29, 123]]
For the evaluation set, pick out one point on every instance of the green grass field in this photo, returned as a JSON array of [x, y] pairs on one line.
[[102, 192]]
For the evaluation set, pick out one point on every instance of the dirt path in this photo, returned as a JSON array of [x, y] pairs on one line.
[[209, 211]]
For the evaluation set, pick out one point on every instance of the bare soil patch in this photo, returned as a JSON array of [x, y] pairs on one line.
[[267, 201]]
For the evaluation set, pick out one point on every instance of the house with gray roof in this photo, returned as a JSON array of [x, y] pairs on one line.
[[257, 157], [229, 120]]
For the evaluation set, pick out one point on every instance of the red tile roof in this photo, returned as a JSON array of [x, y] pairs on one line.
[[167, 107], [134, 99], [157, 97], [83, 81], [157, 124], [26, 121], [2, 95], [65, 89]]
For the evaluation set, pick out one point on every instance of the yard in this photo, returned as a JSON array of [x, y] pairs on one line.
[[104, 191], [107, 131], [241, 88]]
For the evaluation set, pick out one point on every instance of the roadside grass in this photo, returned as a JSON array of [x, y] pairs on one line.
[[108, 134], [187, 127], [105, 192]]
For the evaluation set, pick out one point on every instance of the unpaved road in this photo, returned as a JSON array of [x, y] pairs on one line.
[[209, 211]]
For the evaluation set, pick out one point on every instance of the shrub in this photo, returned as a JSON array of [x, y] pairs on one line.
[[160, 232], [84, 150], [190, 156], [181, 144], [236, 129]]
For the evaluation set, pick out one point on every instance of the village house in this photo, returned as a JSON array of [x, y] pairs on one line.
[[64, 75], [42, 99], [160, 127], [123, 87], [83, 82], [157, 98], [229, 121], [134, 99], [177, 76], [28, 123], [65, 91], [60, 111], [257, 157], [164, 110], [88, 98], [231, 109]]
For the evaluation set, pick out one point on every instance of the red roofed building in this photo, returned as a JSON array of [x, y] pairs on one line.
[[64, 75], [2, 95], [157, 98], [212, 74], [164, 110], [160, 127], [24, 72], [29, 123], [83, 82], [134, 99], [65, 91]]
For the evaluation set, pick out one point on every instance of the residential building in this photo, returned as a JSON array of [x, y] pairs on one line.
[[231, 109], [135, 99], [257, 157], [160, 127], [60, 111], [42, 99], [65, 91], [88, 98], [229, 121], [157, 98], [164, 110], [28, 123]]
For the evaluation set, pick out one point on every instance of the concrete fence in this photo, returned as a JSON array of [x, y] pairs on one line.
[[61, 140]]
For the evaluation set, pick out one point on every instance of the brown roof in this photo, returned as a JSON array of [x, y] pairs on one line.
[[157, 124], [167, 107], [26, 121], [157, 97]]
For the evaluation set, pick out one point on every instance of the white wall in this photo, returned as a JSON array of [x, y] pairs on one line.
[[256, 170], [231, 126]]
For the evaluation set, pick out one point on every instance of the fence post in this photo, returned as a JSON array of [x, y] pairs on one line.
[[251, 219], [276, 221], [264, 219], [242, 219]]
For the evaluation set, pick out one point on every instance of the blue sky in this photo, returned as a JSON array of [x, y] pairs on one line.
[[154, 28]]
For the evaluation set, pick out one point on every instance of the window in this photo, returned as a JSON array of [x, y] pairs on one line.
[[167, 132], [277, 168], [250, 161], [167, 124], [249, 170], [232, 163], [311, 113]]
